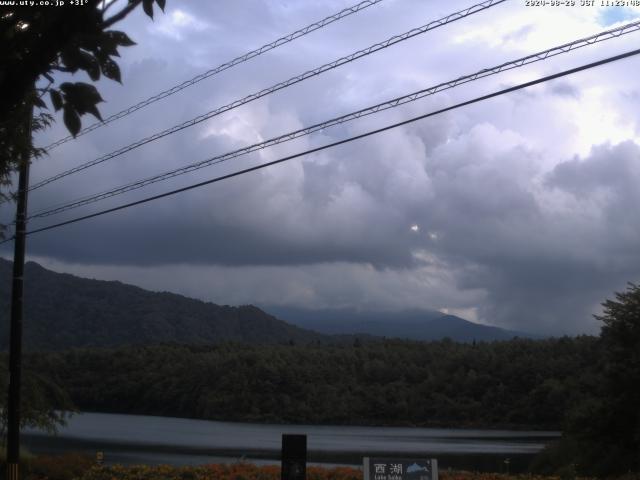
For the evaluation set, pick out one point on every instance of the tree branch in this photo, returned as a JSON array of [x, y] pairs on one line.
[[108, 5], [122, 13], [44, 90]]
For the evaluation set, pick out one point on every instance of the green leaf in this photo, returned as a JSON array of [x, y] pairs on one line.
[[88, 93], [120, 38], [89, 64], [111, 70], [70, 58], [66, 87], [108, 46], [82, 98], [89, 42], [147, 6], [93, 110], [37, 101], [161, 4], [71, 119], [56, 99]]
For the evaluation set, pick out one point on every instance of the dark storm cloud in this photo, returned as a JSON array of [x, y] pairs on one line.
[[614, 170], [497, 211], [340, 207], [147, 241], [550, 267]]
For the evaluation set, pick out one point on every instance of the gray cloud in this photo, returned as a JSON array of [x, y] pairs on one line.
[[565, 89], [556, 252], [516, 211]]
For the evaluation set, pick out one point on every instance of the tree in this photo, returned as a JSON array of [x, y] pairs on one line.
[[45, 404], [36, 43], [603, 429], [618, 427]]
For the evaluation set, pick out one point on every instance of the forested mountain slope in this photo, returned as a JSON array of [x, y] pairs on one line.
[[63, 311]]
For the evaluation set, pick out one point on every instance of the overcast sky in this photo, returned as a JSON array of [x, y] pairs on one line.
[[520, 212]]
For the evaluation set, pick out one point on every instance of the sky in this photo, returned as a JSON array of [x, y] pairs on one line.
[[518, 212]]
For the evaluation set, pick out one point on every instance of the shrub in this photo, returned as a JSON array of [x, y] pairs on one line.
[[57, 467]]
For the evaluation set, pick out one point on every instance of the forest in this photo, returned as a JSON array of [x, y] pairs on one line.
[[519, 383]]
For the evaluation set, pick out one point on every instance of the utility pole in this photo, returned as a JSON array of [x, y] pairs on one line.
[[15, 342]]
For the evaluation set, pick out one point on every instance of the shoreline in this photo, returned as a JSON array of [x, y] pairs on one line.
[[514, 428]]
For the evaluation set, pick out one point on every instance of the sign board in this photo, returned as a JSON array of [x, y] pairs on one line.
[[400, 469], [294, 457]]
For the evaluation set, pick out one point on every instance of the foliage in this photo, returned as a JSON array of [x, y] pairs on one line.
[[602, 435], [608, 426], [236, 471], [15, 143], [620, 337], [40, 44], [25, 458], [64, 311], [39, 393], [556, 457], [515, 383], [68, 466]]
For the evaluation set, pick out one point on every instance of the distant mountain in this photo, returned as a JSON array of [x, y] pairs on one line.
[[410, 324], [63, 311]]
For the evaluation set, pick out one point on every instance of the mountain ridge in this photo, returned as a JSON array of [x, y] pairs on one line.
[[412, 324], [65, 311]]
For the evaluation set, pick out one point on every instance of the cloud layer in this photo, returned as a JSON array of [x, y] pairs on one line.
[[517, 212]]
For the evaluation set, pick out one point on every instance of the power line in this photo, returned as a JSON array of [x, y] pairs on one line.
[[567, 47], [340, 142], [279, 86], [220, 68]]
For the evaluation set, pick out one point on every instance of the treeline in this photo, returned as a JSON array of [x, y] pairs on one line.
[[518, 383]]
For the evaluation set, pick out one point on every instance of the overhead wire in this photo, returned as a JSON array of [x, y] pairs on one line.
[[452, 17], [220, 68], [341, 142], [393, 103]]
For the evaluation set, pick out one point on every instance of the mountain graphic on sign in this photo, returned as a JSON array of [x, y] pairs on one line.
[[416, 468]]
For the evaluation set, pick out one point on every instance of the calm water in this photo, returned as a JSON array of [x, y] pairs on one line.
[[152, 440]]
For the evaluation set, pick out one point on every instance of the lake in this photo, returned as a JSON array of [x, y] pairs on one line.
[[132, 439]]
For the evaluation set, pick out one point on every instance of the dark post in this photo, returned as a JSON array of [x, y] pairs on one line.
[[15, 342], [294, 457]]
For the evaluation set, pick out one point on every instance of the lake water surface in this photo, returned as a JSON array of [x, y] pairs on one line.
[[153, 440]]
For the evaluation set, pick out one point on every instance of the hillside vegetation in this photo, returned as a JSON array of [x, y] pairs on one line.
[[64, 311], [523, 383]]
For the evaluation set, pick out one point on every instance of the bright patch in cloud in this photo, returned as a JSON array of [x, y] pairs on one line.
[[178, 23]]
